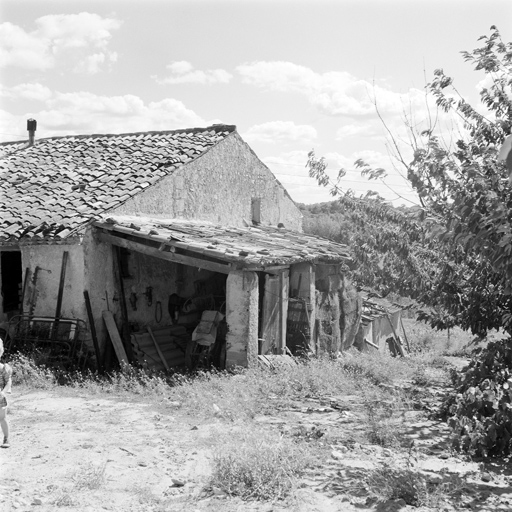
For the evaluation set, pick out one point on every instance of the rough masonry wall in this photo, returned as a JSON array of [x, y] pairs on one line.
[[49, 260], [219, 187], [165, 278], [99, 282]]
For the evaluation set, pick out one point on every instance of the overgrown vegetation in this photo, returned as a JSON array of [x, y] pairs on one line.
[[464, 227], [261, 463], [481, 412]]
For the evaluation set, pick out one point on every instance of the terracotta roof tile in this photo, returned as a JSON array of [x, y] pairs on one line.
[[70, 179]]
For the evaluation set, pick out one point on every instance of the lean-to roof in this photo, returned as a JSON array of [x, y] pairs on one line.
[[248, 247]]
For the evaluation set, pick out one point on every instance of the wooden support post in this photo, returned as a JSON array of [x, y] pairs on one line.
[[118, 280], [97, 352]]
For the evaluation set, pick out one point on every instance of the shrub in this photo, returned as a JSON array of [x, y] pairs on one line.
[[481, 412]]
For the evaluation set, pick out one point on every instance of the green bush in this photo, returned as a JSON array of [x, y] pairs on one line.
[[481, 412]]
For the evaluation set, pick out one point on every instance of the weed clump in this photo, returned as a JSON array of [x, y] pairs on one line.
[[261, 467], [28, 371], [394, 481], [90, 477]]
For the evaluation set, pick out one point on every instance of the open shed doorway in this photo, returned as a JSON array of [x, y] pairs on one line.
[[11, 279], [175, 313]]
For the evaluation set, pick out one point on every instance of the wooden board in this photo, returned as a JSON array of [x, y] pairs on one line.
[[162, 357], [108, 318]]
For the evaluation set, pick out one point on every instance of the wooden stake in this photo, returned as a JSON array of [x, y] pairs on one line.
[[24, 292], [101, 369], [58, 309], [61, 284]]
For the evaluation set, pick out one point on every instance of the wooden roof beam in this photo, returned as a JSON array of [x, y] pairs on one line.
[[166, 255]]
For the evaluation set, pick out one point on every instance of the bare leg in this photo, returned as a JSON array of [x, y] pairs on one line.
[[4, 424]]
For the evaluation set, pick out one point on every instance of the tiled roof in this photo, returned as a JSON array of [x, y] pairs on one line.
[[247, 247], [50, 189]]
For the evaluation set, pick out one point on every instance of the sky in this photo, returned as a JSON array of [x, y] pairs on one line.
[[292, 75]]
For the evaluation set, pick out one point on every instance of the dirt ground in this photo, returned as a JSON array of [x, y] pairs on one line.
[[76, 452]]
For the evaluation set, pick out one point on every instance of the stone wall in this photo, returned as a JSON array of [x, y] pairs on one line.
[[219, 187], [49, 260]]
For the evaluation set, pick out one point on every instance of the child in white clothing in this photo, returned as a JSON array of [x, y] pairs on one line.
[[5, 387]]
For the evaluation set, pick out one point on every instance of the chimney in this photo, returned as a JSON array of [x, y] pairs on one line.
[[31, 127]]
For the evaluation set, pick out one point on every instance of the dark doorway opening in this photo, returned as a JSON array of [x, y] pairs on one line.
[[10, 265]]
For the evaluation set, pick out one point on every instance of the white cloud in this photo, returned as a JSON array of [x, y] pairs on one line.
[[367, 128], [280, 131], [86, 113], [12, 128], [77, 39], [36, 92], [182, 72], [333, 92], [92, 64], [180, 67], [22, 49]]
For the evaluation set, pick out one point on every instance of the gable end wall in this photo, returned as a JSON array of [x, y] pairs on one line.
[[219, 187]]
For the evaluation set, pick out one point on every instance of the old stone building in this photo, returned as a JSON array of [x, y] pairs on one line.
[[158, 229]]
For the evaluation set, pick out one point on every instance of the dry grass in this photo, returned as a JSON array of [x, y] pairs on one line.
[[266, 466], [90, 477], [425, 339], [402, 480], [259, 465]]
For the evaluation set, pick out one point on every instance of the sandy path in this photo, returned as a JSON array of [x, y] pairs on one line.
[[91, 453], [60, 446]]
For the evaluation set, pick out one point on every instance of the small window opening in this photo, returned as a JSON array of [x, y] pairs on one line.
[[124, 261], [256, 210]]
